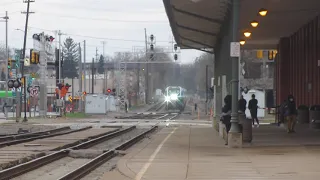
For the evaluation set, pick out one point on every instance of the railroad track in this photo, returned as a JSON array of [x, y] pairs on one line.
[[16, 139], [156, 107], [85, 168], [28, 135]]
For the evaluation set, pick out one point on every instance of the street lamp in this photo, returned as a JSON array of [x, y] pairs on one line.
[[242, 42], [254, 23], [263, 12], [247, 34]]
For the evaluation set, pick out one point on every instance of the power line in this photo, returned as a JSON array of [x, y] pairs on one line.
[[73, 6], [9, 3], [101, 19], [95, 37]]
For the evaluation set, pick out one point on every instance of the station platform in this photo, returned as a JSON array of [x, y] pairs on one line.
[[198, 153]]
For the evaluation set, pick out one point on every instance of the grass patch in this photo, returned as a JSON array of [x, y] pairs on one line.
[[77, 115]]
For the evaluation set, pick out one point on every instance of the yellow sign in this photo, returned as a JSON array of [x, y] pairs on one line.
[[272, 54], [260, 54], [22, 80], [34, 57], [70, 98]]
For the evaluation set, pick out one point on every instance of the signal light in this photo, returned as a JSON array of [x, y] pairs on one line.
[[10, 83], [175, 57], [151, 56], [14, 83], [50, 38], [152, 37], [67, 86], [36, 37], [109, 90], [175, 47], [84, 93], [35, 57], [114, 90]]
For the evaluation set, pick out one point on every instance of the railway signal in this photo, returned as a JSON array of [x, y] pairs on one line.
[[108, 91], [34, 57], [175, 57], [175, 47], [9, 63], [14, 83]]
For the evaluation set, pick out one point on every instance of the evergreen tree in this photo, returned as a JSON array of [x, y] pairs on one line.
[[70, 58], [101, 64]]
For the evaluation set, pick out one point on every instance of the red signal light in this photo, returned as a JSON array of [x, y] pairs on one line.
[[109, 90], [84, 93]]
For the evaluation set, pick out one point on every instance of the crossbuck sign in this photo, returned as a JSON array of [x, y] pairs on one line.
[[34, 92]]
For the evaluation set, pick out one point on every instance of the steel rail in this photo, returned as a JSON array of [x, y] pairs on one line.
[[33, 164], [98, 161], [9, 143], [100, 139], [28, 135]]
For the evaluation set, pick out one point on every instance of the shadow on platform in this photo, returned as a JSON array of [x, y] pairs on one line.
[[273, 135]]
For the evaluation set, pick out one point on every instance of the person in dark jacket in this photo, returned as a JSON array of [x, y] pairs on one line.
[[291, 113], [226, 113], [242, 104], [253, 107]]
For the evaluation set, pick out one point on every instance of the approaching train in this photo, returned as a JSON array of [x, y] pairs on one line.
[[175, 98]]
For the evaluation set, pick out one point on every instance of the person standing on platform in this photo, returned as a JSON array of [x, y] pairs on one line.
[[126, 107], [253, 107], [291, 113], [242, 104], [226, 114]]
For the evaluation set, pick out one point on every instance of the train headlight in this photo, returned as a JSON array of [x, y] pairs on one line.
[[167, 98], [174, 97]]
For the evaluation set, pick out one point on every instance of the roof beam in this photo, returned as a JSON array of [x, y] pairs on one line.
[[197, 15], [196, 30], [167, 5], [188, 46], [194, 41]]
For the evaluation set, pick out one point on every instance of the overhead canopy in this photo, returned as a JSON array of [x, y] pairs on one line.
[[196, 24]]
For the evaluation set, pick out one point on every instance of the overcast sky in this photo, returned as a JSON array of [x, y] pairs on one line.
[[120, 23]]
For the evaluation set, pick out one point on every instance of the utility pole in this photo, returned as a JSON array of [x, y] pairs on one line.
[[104, 70], [80, 78], [60, 53], [24, 55], [147, 68], [92, 71], [7, 58], [85, 66], [59, 68]]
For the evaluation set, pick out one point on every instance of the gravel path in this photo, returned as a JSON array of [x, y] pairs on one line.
[[7, 129], [98, 173], [54, 170]]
